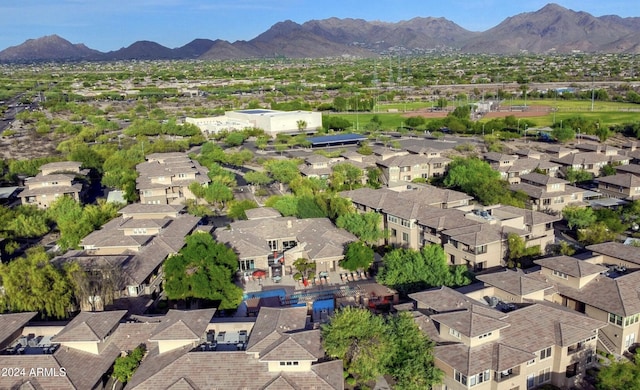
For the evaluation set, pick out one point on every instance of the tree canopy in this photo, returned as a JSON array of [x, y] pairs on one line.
[[203, 269], [371, 346], [408, 270], [365, 226], [357, 256], [33, 283], [620, 375]]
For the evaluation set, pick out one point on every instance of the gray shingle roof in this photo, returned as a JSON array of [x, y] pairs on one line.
[[90, 326]]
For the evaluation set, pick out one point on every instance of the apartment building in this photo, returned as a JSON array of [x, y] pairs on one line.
[[512, 167], [53, 181], [548, 193], [471, 236], [165, 178], [406, 168], [485, 347], [624, 186]]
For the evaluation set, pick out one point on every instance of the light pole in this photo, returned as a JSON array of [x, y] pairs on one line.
[[483, 130], [593, 89], [519, 125], [578, 135]]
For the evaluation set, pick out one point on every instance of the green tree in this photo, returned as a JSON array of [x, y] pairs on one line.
[[476, 177], [412, 361], [365, 226], [517, 249], [361, 340], [283, 171], [620, 375], [203, 269], [306, 269], [595, 234], [408, 270], [579, 217], [358, 256], [345, 176], [125, 366], [257, 178], [234, 138], [287, 205], [577, 175], [33, 283], [563, 134], [237, 208]]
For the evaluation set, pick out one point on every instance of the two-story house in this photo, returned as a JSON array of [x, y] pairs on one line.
[[482, 347], [512, 167], [624, 186], [548, 193], [591, 162], [165, 178], [54, 180], [406, 168]]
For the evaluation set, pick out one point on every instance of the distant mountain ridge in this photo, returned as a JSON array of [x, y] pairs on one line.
[[552, 29]]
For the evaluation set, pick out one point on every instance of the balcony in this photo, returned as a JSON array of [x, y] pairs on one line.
[[507, 374], [575, 348]]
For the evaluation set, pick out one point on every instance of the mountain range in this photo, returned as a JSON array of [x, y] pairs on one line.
[[551, 29]]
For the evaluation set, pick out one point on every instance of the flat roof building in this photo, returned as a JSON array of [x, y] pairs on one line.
[[272, 122]]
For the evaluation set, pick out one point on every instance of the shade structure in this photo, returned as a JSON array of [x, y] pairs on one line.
[[259, 273]]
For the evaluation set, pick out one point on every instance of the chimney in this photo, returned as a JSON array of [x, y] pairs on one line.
[[289, 224]]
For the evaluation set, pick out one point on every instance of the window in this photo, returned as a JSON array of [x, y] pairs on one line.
[[631, 319], [460, 378], [246, 265], [405, 237], [615, 319], [182, 175], [405, 223], [531, 362], [392, 219], [544, 375], [545, 353], [479, 378], [139, 231], [559, 274], [454, 333], [290, 363], [481, 249], [482, 336], [394, 233], [531, 381], [273, 244], [572, 370]]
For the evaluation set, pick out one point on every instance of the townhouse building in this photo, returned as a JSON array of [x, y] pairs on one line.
[[129, 250], [603, 285], [53, 181], [513, 166], [549, 194], [624, 186], [165, 178], [591, 162], [491, 347], [412, 166], [472, 236]]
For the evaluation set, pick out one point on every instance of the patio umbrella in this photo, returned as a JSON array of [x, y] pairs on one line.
[[259, 273]]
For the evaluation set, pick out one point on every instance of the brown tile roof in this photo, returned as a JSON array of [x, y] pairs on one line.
[[262, 212], [570, 266], [548, 322], [472, 322], [619, 296], [305, 345], [514, 282], [482, 234], [30, 363], [85, 369], [624, 180], [183, 325], [11, 322], [442, 299], [443, 219], [228, 370], [540, 179], [272, 323], [531, 217], [492, 356], [90, 326], [618, 250], [628, 168]]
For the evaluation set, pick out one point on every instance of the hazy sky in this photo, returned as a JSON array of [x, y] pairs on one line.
[[107, 25]]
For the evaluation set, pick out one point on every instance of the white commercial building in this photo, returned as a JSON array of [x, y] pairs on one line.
[[271, 121]]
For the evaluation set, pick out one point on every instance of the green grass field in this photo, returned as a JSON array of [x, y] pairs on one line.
[[606, 113]]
